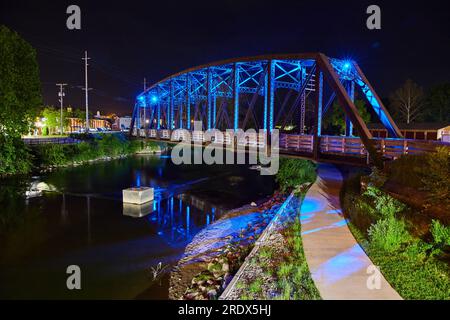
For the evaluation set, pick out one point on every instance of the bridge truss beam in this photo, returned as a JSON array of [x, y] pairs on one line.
[[266, 92]]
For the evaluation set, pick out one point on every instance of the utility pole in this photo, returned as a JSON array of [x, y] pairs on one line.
[[86, 89], [61, 98]]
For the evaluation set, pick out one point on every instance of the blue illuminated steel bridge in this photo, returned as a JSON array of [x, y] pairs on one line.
[[290, 92]]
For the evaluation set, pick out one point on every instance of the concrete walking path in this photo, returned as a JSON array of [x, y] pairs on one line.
[[338, 265]]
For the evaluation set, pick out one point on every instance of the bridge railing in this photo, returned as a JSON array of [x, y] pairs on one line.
[[337, 145], [394, 148], [55, 140], [294, 142], [351, 146]]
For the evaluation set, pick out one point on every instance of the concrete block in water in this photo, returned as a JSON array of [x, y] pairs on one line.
[[138, 195], [137, 210]]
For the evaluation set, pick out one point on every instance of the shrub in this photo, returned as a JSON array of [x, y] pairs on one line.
[[406, 163], [52, 154], [385, 205], [388, 234], [440, 233], [294, 172], [84, 152], [14, 156], [92, 147], [435, 175], [377, 178], [418, 250], [429, 172]]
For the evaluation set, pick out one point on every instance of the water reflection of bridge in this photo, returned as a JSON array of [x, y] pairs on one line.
[[290, 92], [176, 217]]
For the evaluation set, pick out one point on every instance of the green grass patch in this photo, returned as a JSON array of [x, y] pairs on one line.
[[294, 277], [417, 267]]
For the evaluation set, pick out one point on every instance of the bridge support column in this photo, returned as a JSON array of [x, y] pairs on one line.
[[348, 123], [266, 102], [180, 115], [158, 109], [188, 101], [145, 115], [170, 109], [318, 113], [236, 95], [271, 93], [302, 112], [209, 87]]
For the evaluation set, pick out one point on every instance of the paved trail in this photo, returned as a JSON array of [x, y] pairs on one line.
[[337, 263]]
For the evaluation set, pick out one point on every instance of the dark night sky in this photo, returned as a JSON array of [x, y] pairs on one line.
[[128, 40]]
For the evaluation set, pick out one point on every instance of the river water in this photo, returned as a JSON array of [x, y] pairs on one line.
[[83, 222]]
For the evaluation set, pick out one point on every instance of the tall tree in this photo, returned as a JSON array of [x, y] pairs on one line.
[[335, 119], [438, 103], [52, 118], [20, 98], [20, 94], [407, 102]]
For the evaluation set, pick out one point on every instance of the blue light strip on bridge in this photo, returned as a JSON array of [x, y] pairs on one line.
[[376, 106], [236, 96], [271, 92], [266, 82], [320, 104], [188, 101]]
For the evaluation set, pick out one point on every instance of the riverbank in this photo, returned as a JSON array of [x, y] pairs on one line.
[[215, 255], [276, 268], [93, 147]]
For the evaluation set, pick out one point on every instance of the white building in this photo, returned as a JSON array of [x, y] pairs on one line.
[[124, 123]]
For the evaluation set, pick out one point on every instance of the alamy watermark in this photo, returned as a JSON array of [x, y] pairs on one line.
[[248, 147], [374, 279], [373, 22], [73, 281], [73, 22]]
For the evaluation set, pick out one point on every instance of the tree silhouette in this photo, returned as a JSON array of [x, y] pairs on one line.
[[407, 102]]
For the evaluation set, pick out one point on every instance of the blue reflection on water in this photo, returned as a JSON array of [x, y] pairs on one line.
[[138, 178], [176, 218]]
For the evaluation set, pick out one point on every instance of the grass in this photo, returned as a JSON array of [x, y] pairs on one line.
[[295, 280], [256, 287], [414, 265]]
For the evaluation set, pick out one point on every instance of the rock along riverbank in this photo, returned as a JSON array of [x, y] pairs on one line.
[[216, 253]]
